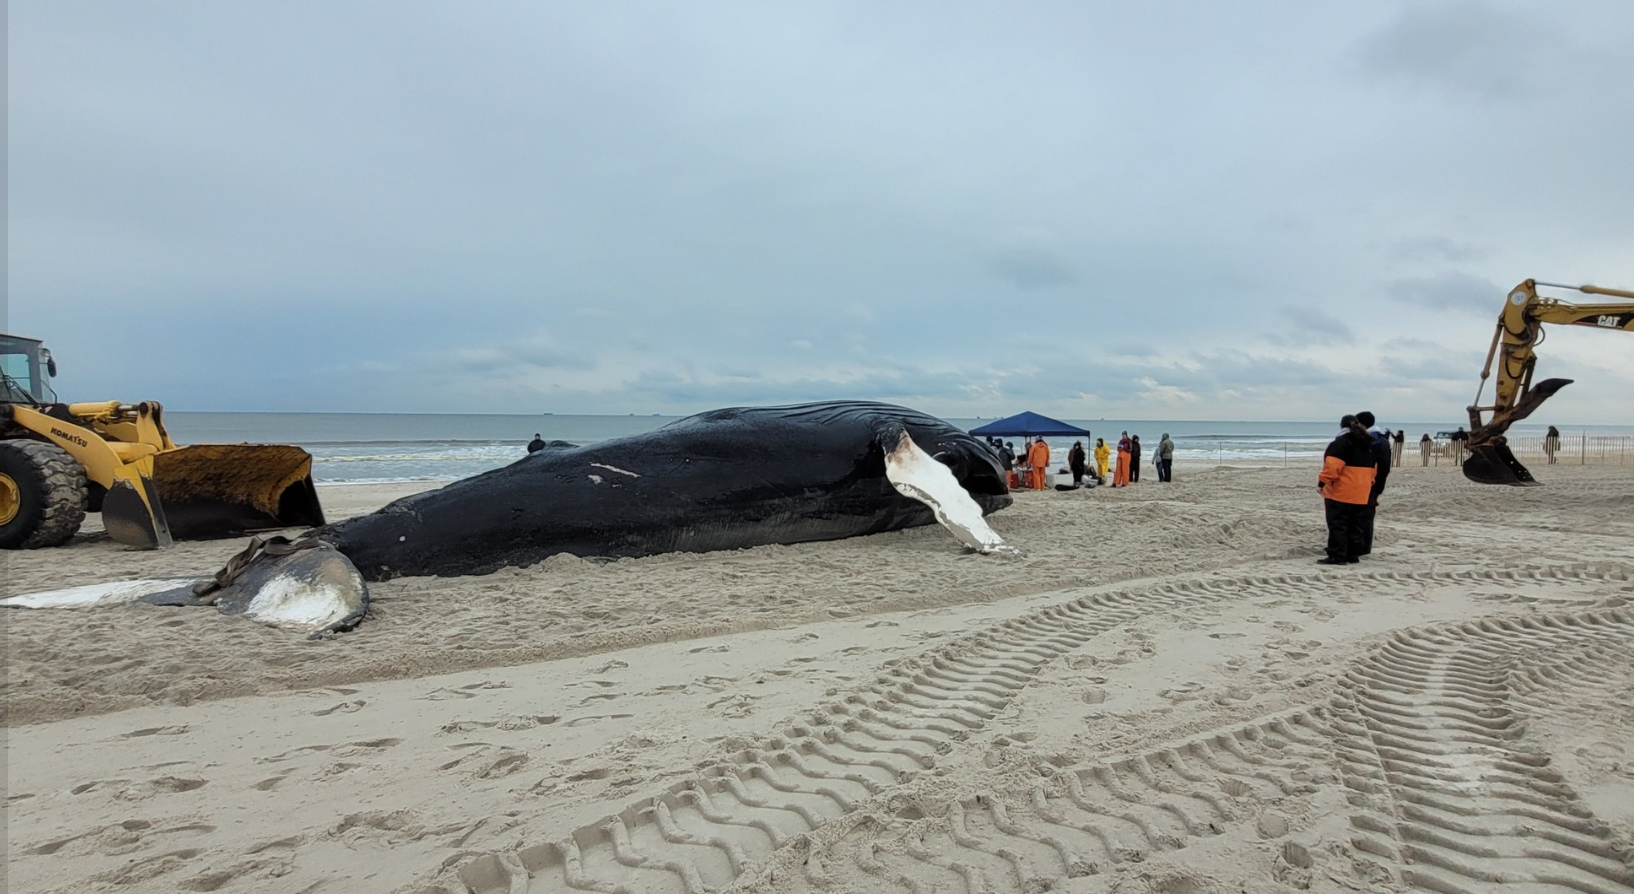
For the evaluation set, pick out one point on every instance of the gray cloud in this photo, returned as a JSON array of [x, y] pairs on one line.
[[1309, 326], [638, 208], [1450, 291], [1475, 48], [1031, 259]]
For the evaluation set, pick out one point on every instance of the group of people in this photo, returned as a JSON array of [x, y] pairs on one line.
[[1030, 468], [1354, 470]]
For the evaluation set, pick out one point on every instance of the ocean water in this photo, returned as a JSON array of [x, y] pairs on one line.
[[364, 448]]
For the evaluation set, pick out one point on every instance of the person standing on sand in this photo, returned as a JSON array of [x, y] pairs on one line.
[[1134, 458], [1165, 459], [1459, 439], [1039, 457], [537, 444], [1103, 453], [1551, 444], [1120, 477], [1346, 481], [1396, 447], [1381, 471], [1076, 462], [1425, 445]]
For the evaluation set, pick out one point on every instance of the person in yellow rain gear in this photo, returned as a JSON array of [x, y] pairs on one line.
[[1103, 455], [1038, 456]]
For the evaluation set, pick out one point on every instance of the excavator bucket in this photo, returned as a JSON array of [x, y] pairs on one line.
[[1494, 463], [1490, 459], [223, 490]]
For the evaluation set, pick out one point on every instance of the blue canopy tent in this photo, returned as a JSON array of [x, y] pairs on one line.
[[1028, 425]]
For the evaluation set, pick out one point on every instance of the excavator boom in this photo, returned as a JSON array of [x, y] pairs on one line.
[[1519, 330]]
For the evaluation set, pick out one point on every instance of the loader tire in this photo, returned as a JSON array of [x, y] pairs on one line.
[[42, 495]]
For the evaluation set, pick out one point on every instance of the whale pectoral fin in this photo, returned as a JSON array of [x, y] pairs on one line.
[[917, 474]]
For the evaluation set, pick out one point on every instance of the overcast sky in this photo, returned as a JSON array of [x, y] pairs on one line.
[[1246, 210]]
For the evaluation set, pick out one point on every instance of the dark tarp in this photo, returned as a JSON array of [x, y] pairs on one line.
[[1026, 425]]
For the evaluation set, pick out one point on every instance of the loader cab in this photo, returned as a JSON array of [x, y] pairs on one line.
[[25, 369]]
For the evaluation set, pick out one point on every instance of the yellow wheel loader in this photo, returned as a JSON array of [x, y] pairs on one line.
[[59, 461], [1519, 332]]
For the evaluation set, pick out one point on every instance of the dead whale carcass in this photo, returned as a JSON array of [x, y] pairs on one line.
[[725, 479]]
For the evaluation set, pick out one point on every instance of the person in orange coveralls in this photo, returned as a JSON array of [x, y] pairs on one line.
[[1120, 478], [1038, 456], [1346, 483]]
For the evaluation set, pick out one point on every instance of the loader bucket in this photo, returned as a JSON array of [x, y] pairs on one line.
[[1494, 463], [223, 490]]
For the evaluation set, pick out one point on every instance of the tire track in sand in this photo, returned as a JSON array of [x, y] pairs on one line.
[[1443, 793], [703, 833], [1448, 796]]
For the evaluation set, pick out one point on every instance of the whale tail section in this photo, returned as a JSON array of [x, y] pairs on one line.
[[302, 585], [918, 475]]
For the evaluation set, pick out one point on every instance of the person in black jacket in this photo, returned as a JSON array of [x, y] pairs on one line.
[[1134, 458], [1381, 465], [1346, 482], [537, 444], [1077, 461]]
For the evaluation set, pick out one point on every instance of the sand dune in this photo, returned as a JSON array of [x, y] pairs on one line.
[[1164, 695]]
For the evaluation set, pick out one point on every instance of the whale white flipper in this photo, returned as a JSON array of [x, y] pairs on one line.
[[917, 474]]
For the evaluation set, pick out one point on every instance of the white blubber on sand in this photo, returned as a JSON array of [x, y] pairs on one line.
[[113, 593], [917, 474]]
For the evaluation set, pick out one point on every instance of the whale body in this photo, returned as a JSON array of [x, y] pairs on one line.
[[725, 479]]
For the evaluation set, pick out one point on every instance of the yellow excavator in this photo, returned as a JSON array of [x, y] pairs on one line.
[[1519, 332], [59, 461]]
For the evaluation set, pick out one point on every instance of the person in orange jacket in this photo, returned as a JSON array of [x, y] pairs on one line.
[[1120, 477], [1038, 456], [1346, 484]]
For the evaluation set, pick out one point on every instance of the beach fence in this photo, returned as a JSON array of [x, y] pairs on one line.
[[1577, 450]]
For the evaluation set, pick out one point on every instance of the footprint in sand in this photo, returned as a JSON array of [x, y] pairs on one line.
[[85, 787], [365, 747], [709, 649], [882, 624], [613, 665], [736, 705], [270, 783], [589, 775], [600, 696], [596, 718], [342, 708], [470, 690], [150, 868], [164, 785], [156, 731], [520, 722], [509, 761], [1185, 692]]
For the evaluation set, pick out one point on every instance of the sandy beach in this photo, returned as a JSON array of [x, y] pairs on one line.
[[1165, 694]]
